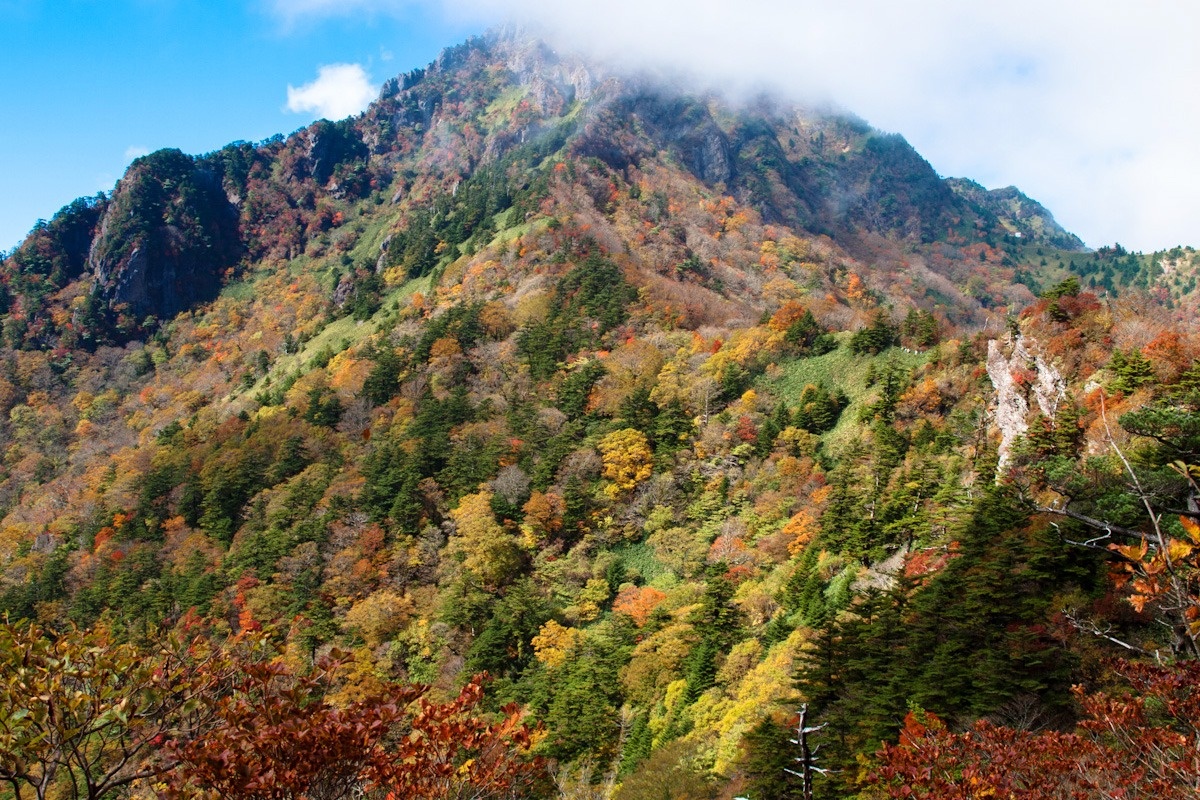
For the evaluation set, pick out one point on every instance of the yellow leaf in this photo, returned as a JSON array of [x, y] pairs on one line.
[[1191, 527], [1132, 552], [1178, 550]]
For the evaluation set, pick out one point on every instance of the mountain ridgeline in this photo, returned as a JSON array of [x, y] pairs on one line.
[[177, 227], [673, 415]]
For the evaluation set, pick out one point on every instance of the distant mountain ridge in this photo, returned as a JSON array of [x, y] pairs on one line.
[[1018, 213]]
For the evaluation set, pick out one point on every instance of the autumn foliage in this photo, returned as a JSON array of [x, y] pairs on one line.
[[514, 375], [1142, 745], [83, 716], [1166, 576], [627, 460], [276, 735]]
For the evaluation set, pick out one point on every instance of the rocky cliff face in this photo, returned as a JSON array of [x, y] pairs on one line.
[[330, 145], [799, 167], [1018, 373], [803, 167], [166, 238]]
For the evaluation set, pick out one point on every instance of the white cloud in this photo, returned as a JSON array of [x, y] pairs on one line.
[[1087, 106], [339, 91], [136, 151]]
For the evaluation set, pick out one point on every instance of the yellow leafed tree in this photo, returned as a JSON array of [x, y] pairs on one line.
[[487, 549], [627, 460]]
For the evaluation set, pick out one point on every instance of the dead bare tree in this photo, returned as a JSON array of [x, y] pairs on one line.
[[807, 760]]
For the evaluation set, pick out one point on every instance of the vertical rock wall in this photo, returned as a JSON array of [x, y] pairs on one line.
[[1018, 373]]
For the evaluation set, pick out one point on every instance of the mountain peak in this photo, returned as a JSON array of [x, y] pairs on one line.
[[508, 98]]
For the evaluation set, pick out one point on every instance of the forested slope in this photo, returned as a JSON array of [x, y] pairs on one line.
[[669, 415]]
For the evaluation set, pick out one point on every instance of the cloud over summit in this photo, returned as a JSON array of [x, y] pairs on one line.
[[1086, 106]]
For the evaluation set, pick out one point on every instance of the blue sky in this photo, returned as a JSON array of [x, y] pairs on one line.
[[1086, 105]]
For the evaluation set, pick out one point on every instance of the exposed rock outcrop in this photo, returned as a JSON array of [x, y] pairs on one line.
[[331, 144], [1018, 372], [166, 238]]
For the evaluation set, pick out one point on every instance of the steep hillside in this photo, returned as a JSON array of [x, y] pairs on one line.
[[668, 414]]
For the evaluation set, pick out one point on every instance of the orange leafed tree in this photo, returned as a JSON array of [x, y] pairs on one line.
[[544, 514], [638, 602]]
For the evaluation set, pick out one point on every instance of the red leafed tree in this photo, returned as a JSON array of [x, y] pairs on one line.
[[451, 753], [278, 738], [1146, 745]]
